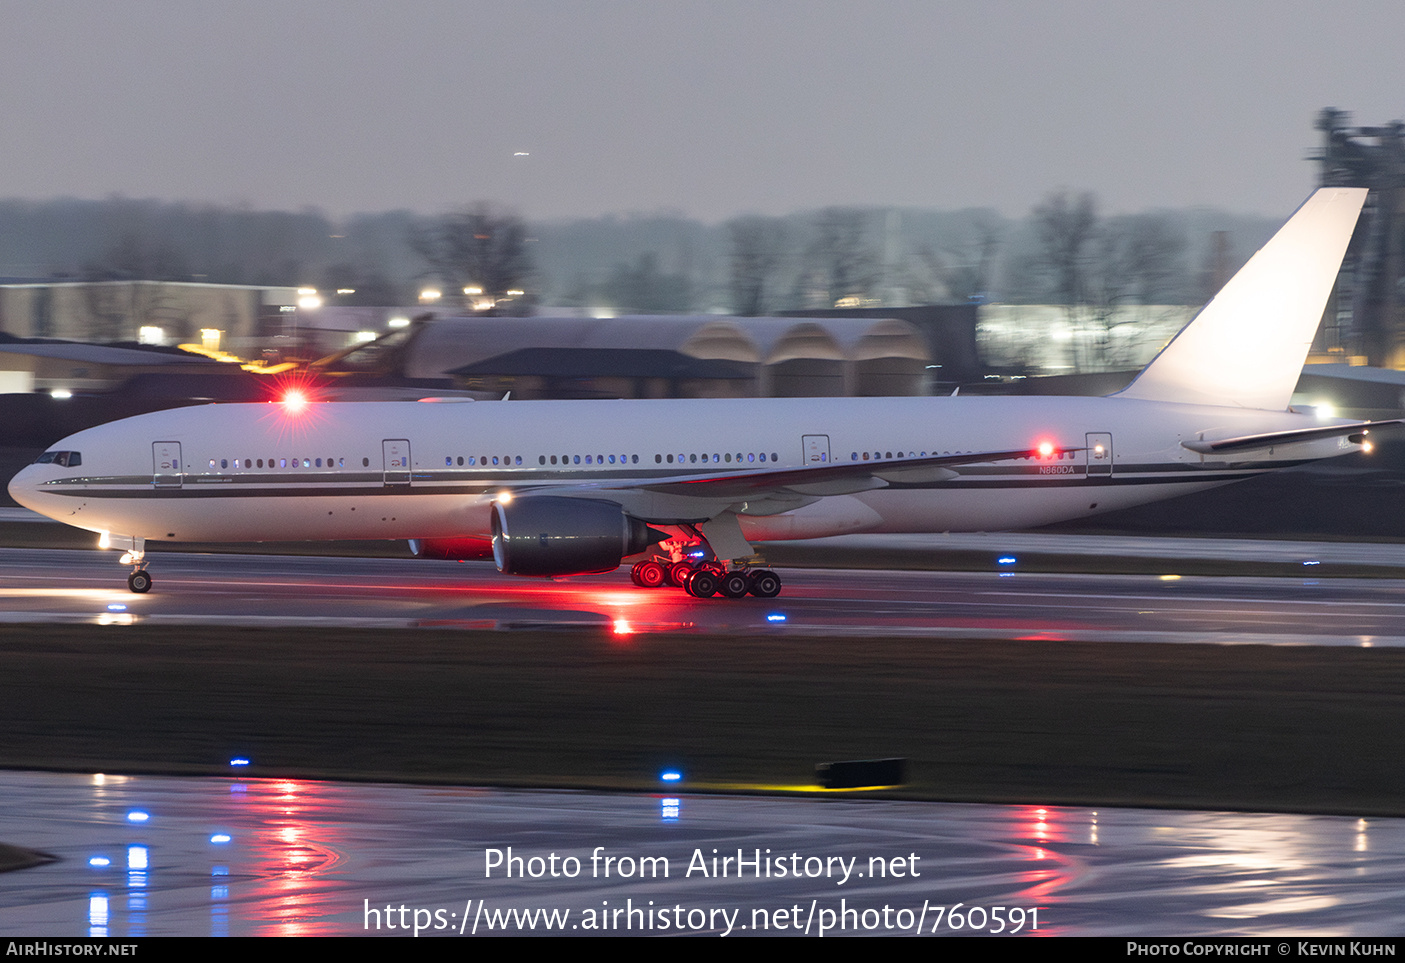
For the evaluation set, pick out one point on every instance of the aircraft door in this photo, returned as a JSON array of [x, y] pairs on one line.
[[816, 449], [396, 452], [166, 468], [1099, 454]]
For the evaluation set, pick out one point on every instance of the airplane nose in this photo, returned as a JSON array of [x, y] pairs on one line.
[[23, 488]]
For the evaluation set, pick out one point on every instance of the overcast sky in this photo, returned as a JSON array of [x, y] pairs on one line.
[[707, 108]]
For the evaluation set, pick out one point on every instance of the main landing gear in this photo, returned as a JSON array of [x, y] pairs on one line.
[[706, 579]]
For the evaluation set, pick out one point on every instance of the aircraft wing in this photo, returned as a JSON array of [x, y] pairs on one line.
[[1270, 439]]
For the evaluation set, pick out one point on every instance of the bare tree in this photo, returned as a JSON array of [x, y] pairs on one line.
[[1137, 261], [758, 253], [965, 268], [481, 247], [1066, 227], [839, 262], [641, 288]]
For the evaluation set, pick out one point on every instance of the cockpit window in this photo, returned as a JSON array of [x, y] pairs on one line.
[[68, 459]]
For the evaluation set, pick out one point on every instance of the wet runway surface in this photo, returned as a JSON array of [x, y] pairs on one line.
[[89, 586], [151, 856]]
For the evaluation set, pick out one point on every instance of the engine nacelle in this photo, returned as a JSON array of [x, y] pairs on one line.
[[551, 535], [451, 548]]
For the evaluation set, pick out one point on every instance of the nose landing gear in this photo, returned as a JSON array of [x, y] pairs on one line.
[[135, 555]]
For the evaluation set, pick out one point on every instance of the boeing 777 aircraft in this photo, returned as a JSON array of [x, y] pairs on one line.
[[556, 488]]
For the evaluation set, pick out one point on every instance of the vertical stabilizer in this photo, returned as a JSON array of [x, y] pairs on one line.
[[1246, 348]]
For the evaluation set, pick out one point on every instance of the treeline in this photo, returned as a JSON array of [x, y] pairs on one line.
[[1063, 252]]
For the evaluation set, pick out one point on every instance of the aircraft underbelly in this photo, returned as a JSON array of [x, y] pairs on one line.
[[309, 518]]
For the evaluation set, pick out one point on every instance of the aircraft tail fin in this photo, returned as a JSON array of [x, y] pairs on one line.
[[1246, 348]]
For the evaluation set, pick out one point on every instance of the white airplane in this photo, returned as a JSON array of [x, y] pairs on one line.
[[556, 488]]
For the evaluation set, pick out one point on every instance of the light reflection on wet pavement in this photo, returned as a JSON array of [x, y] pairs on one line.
[[300, 857], [89, 587]]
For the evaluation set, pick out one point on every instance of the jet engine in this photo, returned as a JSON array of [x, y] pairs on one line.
[[551, 535]]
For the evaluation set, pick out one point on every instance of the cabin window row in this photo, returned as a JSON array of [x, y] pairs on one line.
[[284, 463], [716, 459], [882, 455]]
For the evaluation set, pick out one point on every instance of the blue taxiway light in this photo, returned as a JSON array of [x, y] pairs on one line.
[[99, 861], [1005, 560], [137, 816], [671, 775], [238, 761], [775, 617], [219, 838]]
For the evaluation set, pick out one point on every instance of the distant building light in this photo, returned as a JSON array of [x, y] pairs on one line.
[[60, 393], [346, 290], [472, 291], [306, 291], [431, 294], [363, 336], [210, 338], [309, 301], [515, 294], [151, 334], [398, 322]]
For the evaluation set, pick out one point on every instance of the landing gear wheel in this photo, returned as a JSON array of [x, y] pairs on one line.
[[649, 574], [734, 585], [765, 584], [679, 572], [702, 584], [139, 582]]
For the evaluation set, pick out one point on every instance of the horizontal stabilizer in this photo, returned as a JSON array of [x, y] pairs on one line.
[[1355, 431]]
